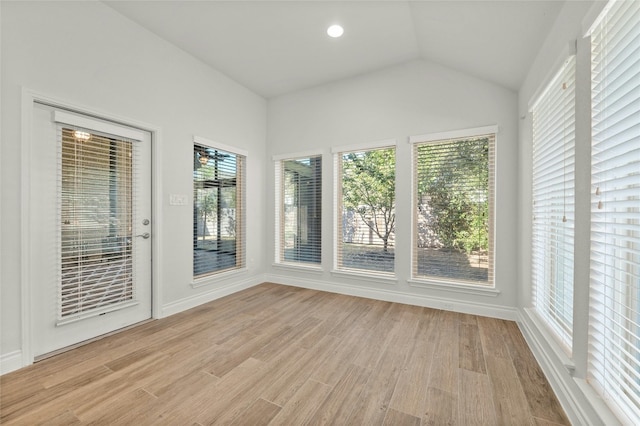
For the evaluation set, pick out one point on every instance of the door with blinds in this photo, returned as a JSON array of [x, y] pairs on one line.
[[90, 228]]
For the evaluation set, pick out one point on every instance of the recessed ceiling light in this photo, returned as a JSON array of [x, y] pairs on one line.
[[335, 31]]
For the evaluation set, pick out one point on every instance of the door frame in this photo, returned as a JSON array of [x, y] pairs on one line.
[[29, 97]]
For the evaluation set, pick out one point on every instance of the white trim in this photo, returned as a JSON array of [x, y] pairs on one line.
[[216, 145], [364, 275], [202, 298], [298, 267], [387, 143], [554, 372], [336, 225], [605, 415], [277, 210], [28, 100], [156, 214], [594, 16], [578, 399], [556, 346], [215, 278], [296, 155], [556, 72], [73, 107], [337, 151], [441, 284], [29, 97], [390, 295], [98, 125], [413, 169], [278, 197], [455, 134], [478, 290], [10, 361]]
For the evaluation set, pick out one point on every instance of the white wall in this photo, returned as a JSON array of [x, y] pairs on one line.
[[411, 99], [582, 406], [87, 54]]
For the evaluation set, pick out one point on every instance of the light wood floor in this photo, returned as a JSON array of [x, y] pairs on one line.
[[288, 356]]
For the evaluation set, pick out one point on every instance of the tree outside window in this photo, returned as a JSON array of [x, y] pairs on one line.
[[367, 210], [453, 219]]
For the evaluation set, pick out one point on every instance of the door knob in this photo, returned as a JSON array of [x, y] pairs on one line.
[[145, 235]]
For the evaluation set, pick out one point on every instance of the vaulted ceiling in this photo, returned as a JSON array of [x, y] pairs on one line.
[[275, 47]]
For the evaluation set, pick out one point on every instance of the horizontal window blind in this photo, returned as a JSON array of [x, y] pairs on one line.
[[366, 214], [96, 212], [553, 203], [299, 210], [218, 210], [614, 332], [453, 222]]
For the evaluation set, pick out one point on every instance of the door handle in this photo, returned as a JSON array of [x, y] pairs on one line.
[[145, 235]]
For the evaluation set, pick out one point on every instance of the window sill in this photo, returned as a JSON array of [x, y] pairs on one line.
[[299, 267], [215, 277], [364, 276], [457, 288], [560, 350]]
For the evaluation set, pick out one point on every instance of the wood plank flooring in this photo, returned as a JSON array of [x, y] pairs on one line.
[[279, 355]]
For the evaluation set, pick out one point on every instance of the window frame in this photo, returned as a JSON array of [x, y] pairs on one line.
[[337, 152], [458, 285], [279, 209], [612, 369], [241, 172], [546, 303]]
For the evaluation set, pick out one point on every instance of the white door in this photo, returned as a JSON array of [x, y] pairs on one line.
[[90, 221]]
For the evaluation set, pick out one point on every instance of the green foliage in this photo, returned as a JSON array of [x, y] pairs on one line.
[[453, 186], [368, 188], [207, 206], [216, 189]]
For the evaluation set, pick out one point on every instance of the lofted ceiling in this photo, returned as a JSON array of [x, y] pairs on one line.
[[275, 47]]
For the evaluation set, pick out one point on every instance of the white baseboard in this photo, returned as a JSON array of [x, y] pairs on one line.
[[580, 404], [10, 362], [455, 305], [213, 294]]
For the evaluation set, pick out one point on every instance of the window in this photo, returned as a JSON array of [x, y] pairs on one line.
[[366, 209], [96, 215], [453, 193], [614, 332], [218, 210], [299, 210], [553, 203]]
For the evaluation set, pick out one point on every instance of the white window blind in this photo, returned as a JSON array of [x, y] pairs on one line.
[[614, 349], [453, 222], [218, 210], [366, 215], [299, 210], [97, 209], [553, 203]]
